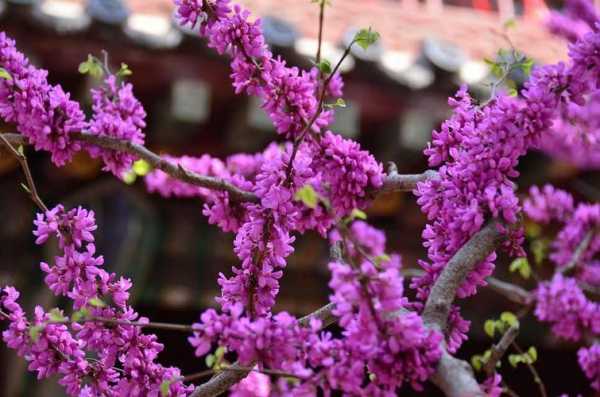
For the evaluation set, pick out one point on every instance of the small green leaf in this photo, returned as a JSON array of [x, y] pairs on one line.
[[308, 196], [510, 23], [124, 71], [57, 316], [486, 356], [34, 332], [513, 92], [21, 150], [532, 230], [476, 362], [210, 360], [515, 359], [92, 67], [539, 248], [97, 302], [141, 167], [80, 314], [526, 66], [372, 377], [164, 388], [325, 66], [379, 259], [490, 328], [366, 37], [129, 177], [522, 265], [509, 318], [340, 103], [4, 74], [358, 214], [532, 353]]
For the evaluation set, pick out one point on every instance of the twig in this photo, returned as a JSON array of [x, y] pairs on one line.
[[579, 251], [320, 39], [510, 291], [534, 373], [153, 325], [500, 348], [30, 183]]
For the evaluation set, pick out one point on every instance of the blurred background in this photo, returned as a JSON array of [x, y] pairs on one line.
[[396, 94]]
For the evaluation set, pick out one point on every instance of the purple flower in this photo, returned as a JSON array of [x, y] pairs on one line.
[[589, 360]]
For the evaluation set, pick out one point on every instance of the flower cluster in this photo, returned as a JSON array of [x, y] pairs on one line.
[[562, 303], [43, 113], [589, 360], [49, 344], [118, 114], [48, 118]]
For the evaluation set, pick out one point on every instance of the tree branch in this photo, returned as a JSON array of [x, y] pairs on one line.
[[510, 291], [453, 376], [392, 182], [500, 348], [25, 166], [482, 244]]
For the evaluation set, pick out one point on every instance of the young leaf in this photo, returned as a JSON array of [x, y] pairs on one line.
[[522, 265], [325, 66], [124, 71], [476, 362], [141, 167], [308, 196], [526, 66], [532, 353], [539, 248], [97, 302], [34, 332], [4, 74], [509, 318], [164, 388], [92, 67], [210, 360], [489, 327], [57, 316], [80, 315], [515, 359], [366, 37], [358, 214], [129, 177]]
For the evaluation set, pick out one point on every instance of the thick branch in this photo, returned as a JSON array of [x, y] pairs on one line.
[[438, 304], [395, 182], [500, 348], [453, 376], [392, 182]]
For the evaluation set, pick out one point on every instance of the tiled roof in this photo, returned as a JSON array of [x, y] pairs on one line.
[[453, 38]]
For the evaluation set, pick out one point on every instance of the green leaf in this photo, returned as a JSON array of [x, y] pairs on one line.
[[21, 150], [539, 248], [308, 196], [4, 74], [379, 259], [34, 332], [358, 214], [129, 177], [486, 356], [526, 66], [515, 359], [97, 302], [476, 362], [509, 318], [510, 23], [141, 167], [340, 103], [92, 67], [366, 37], [522, 265], [490, 328], [532, 230], [164, 388], [57, 316], [124, 71], [532, 353], [80, 314], [513, 92], [325, 66], [210, 360]]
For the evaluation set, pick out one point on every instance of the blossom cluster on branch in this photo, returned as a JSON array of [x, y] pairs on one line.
[[315, 180]]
